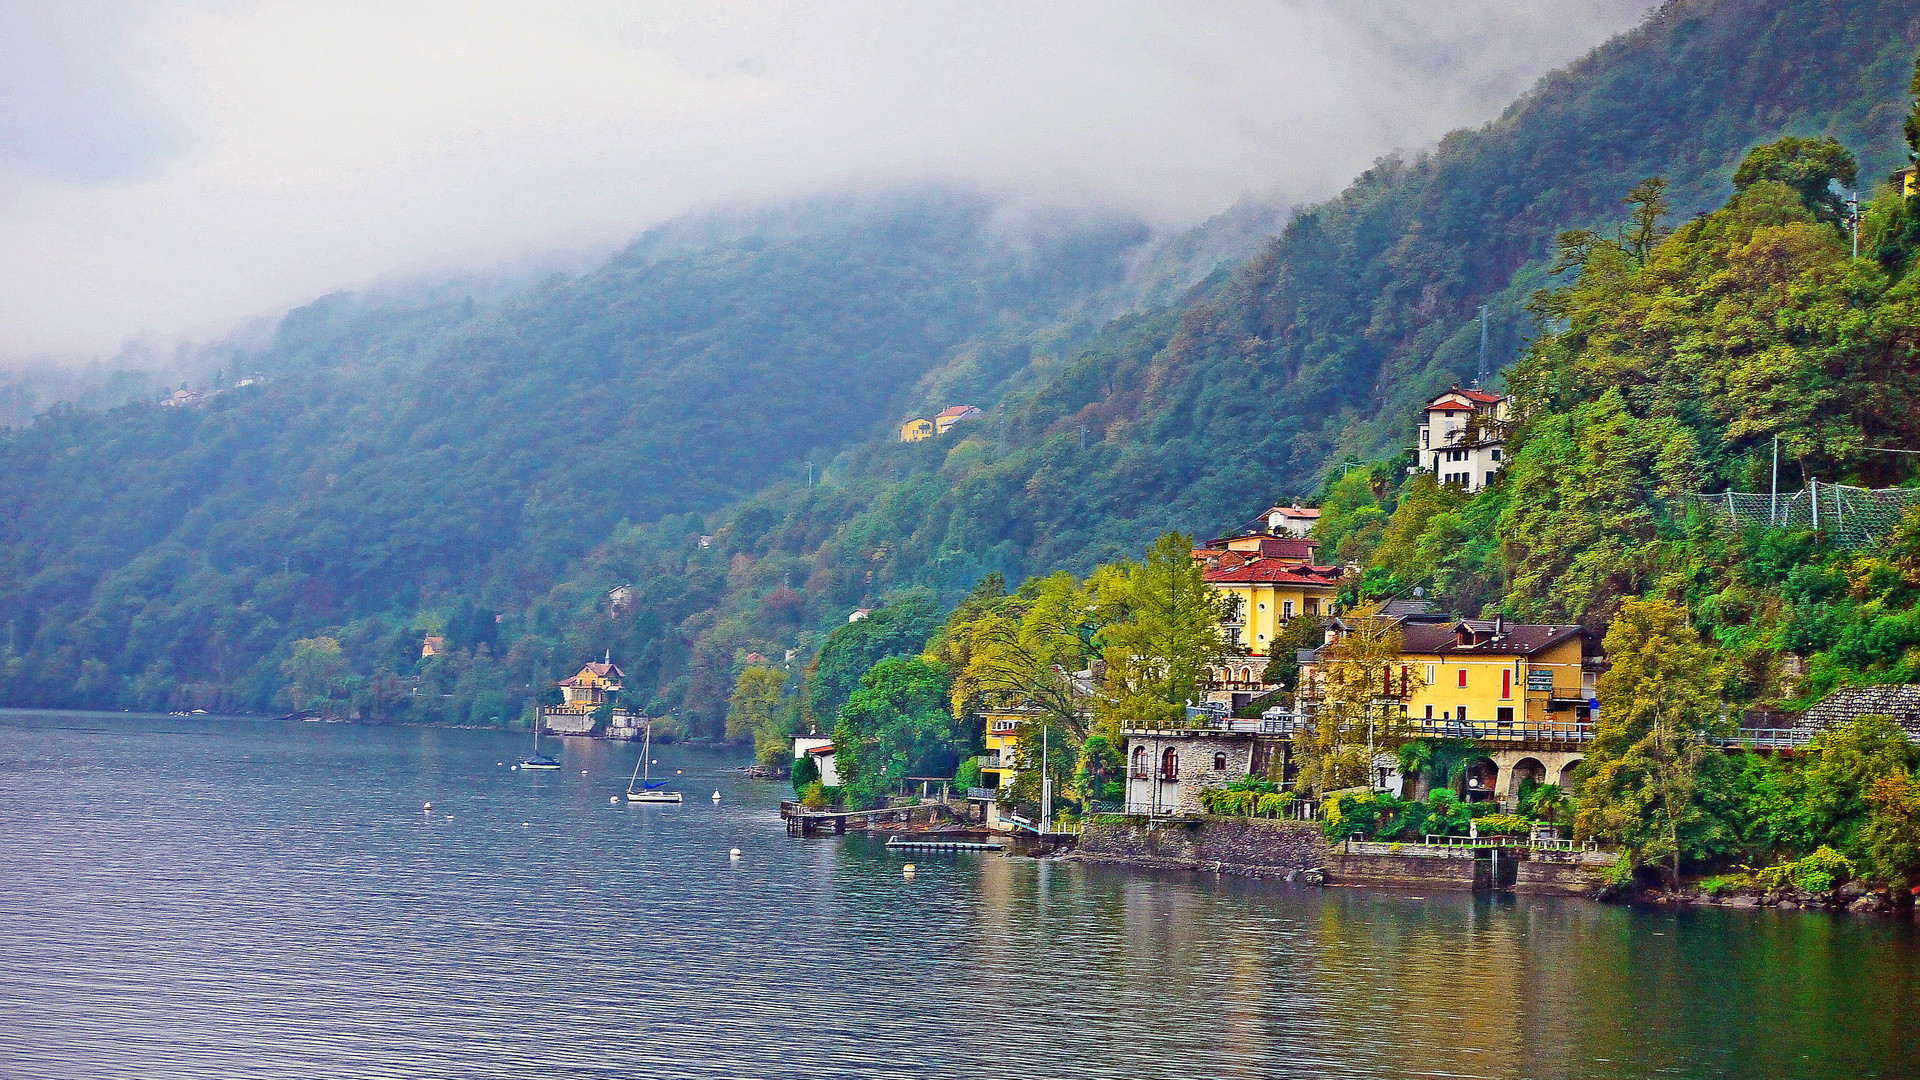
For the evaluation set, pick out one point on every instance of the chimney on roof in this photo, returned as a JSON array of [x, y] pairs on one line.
[[1499, 625]]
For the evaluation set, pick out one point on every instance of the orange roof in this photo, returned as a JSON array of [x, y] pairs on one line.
[[955, 410]]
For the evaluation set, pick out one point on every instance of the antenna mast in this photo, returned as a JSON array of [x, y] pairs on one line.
[[1482, 376]]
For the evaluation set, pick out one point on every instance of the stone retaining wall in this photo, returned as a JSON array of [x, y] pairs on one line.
[[1252, 846], [1263, 848]]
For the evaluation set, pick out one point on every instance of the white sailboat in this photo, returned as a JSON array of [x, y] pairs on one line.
[[648, 791], [538, 760]]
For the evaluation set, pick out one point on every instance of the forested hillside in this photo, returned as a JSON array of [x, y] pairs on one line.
[[489, 472], [438, 464], [1319, 347]]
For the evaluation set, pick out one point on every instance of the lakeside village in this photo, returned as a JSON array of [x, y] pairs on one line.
[[1388, 742]]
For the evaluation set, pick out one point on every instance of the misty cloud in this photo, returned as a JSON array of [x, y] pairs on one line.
[[165, 166]]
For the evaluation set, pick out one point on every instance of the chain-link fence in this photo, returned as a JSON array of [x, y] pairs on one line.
[[1850, 517]]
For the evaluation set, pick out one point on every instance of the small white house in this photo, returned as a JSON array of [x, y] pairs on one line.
[[820, 749], [1295, 520], [1464, 440]]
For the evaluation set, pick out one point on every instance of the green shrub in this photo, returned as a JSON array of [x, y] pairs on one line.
[[1272, 806], [1721, 884], [814, 797], [1816, 873], [1502, 825]]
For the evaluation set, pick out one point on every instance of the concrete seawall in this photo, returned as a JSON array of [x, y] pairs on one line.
[[1257, 847]]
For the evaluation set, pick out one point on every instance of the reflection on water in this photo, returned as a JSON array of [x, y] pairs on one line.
[[199, 898]]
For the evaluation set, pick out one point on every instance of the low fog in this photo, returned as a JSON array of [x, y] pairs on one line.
[[176, 167]]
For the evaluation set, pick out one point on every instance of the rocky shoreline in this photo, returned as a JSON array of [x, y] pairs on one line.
[[1851, 898]]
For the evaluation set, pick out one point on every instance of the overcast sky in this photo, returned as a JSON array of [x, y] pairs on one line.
[[170, 167]]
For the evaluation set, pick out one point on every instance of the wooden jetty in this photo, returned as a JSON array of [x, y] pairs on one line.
[[802, 821]]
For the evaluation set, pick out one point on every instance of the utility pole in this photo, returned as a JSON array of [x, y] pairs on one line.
[[809, 474], [1773, 511], [1480, 378], [1853, 218], [1046, 781]]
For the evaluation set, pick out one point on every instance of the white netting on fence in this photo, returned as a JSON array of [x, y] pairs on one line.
[[1850, 517]]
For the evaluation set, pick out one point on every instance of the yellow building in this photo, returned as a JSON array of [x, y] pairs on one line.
[[999, 763], [952, 415], [916, 429], [1478, 678], [1272, 580]]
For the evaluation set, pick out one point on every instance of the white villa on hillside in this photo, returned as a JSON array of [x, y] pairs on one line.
[[1464, 440]]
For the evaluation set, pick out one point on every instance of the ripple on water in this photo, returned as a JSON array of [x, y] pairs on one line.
[[265, 900]]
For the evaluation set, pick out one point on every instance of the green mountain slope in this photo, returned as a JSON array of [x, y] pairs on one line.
[[448, 457], [1322, 345]]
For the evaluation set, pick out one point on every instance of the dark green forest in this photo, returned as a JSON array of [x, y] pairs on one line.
[[489, 472]]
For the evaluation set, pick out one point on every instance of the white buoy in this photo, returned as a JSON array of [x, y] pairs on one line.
[[516, 768], [429, 806], [613, 798], [907, 869], [716, 796], [449, 817], [734, 854], [499, 763], [583, 772], [524, 824]]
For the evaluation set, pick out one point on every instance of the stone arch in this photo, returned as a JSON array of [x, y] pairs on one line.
[[1528, 768], [1169, 764], [1219, 761], [1566, 780], [1483, 778]]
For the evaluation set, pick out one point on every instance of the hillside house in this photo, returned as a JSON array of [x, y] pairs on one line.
[[1295, 520], [916, 429], [952, 415], [1464, 439], [595, 685]]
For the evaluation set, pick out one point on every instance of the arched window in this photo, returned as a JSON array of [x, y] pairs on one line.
[[1219, 761], [1169, 765], [1140, 764]]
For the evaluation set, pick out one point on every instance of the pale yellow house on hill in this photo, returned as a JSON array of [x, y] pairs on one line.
[[916, 429], [1272, 579], [952, 415]]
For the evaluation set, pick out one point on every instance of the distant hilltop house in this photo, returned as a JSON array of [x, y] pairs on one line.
[[432, 646], [918, 428], [1464, 440], [1295, 520], [183, 396], [619, 601], [597, 684], [952, 415], [1904, 180], [858, 613]]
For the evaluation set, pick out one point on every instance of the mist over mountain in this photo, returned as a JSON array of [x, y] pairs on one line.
[[487, 470]]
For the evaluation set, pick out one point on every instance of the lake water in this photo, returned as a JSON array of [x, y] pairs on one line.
[[200, 898]]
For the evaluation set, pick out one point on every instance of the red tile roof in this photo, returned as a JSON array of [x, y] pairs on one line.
[[955, 410], [1478, 397], [1266, 573]]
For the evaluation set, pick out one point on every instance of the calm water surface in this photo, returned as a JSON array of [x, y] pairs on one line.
[[198, 898]]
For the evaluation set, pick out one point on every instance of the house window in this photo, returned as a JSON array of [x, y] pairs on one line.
[[1263, 607], [1506, 682], [1460, 714], [1504, 715], [1463, 677], [1496, 453], [1219, 761], [1489, 476], [1313, 607], [1423, 436], [1139, 763], [1169, 765], [1429, 674], [1286, 609], [1429, 712]]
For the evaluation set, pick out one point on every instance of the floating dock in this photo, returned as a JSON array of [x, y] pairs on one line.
[[896, 844]]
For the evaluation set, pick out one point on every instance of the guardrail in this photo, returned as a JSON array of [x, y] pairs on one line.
[[985, 794]]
